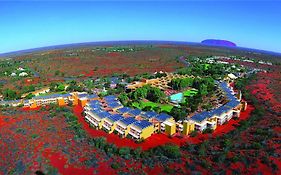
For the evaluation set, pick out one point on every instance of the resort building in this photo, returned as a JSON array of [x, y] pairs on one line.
[[60, 99], [164, 123], [84, 98], [124, 110], [109, 123], [134, 112], [187, 127], [161, 83], [222, 114], [123, 126], [111, 102], [204, 120], [148, 115], [141, 129], [169, 127], [92, 105], [96, 117]]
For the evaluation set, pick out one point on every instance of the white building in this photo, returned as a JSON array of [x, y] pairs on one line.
[[23, 74]]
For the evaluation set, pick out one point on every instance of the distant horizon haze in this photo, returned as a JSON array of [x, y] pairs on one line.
[[130, 42]]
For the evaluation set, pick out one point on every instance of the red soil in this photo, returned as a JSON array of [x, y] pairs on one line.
[[60, 162], [113, 54]]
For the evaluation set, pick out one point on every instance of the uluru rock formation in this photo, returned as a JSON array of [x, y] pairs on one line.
[[217, 42]]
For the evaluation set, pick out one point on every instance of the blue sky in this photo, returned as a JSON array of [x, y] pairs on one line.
[[253, 24]]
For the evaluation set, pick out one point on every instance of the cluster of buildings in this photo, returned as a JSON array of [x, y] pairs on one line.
[[21, 72], [110, 115], [220, 115], [161, 83], [75, 98]]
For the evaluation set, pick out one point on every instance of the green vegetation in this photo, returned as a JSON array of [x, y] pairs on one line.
[[148, 105], [57, 87], [193, 133], [200, 67], [10, 94], [168, 150], [73, 86], [178, 113], [115, 165], [207, 130], [148, 92], [122, 49], [34, 136], [181, 83], [190, 92]]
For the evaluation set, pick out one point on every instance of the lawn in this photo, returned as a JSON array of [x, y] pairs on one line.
[[142, 104], [206, 66], [190, 92]]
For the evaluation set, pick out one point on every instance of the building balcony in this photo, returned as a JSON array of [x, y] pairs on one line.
[[106, 127], [136, 136], [94, 117], [91, 121], [121, 127], [120, 131]]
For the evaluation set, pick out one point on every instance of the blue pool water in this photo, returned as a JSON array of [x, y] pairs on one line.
[[176, 98]]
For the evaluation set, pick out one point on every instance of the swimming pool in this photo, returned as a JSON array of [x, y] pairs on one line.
[[176, 98]]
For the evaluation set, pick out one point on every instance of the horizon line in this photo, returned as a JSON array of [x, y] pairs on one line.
[[105, 42]]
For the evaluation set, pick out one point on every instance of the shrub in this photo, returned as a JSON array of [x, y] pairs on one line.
[[115, 165], [208, 130], [34, 136], [168, 150], [193, 133]]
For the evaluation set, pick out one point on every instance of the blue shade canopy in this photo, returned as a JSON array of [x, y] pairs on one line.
[[124, 110], [162, 117], [115, 117], [129, 120], [142, 124], [149, 114]]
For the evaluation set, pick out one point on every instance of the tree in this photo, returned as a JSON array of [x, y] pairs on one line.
[[140, 93], [53, 86], [115, 165], [27, 89], [159, 75], [178, 113], [123, 97], [168, 150], [124, 152], [73, 86], [203, 90], [137, 152], [29, 96], [207, 130], [154, 94], [10, 94], [57, 72], [61, 87]]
